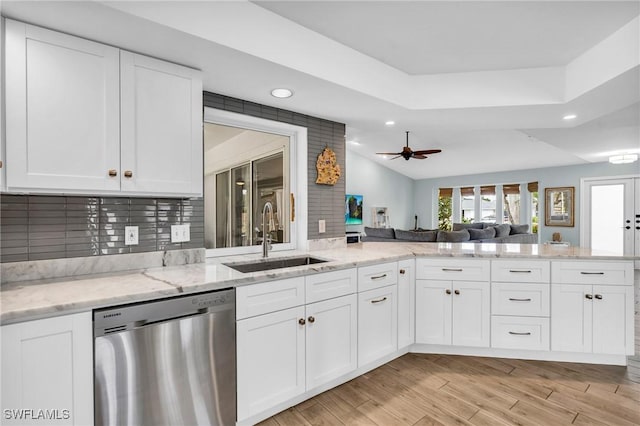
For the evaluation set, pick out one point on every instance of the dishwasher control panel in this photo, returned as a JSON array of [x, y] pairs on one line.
[[211, 299]]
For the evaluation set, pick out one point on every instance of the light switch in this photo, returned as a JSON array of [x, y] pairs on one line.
[[321, 226], [180, 233], [130, 235]]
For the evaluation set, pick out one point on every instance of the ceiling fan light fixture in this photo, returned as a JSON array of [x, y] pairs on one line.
[[623, 158], [569, 117], [389, 123]]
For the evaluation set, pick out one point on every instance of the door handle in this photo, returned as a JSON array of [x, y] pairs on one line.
[[447, 291], [599, 296], [588, 296], [456, 291], [311, 320]]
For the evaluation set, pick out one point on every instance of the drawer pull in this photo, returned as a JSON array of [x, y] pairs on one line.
[[599, 296], [519, 300], [311, 320], [113, 172], [301, 321], [447, 291], [592, 273], [452, 269], [515, 333], [379, 277], [521, 271], [128, 174], [402, 271], [588, 296], [456, 291], [379, 300]]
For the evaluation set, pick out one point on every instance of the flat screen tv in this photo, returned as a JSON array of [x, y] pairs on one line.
[[353, 209]]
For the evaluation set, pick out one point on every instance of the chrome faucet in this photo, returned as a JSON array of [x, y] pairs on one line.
[[266, 228]]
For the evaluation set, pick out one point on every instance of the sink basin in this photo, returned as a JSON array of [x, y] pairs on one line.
[[268, 264]]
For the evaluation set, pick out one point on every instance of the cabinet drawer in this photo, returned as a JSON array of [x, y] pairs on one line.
[[330, 285], [520, 333], [519, 271], [603, 273], [375, 276], [522, 299], [258, 299], [453, 269]]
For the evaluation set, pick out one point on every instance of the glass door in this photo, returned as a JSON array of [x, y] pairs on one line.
[[609, 215]]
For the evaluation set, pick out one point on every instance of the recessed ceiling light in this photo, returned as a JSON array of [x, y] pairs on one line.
[[389, 123], [281, 93], [623, 159], [569, 117]]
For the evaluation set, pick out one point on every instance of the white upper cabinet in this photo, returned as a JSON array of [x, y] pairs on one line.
[[62, 111], [86, 118], [161, 133]]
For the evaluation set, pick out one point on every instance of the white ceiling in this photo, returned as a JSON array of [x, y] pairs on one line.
[[486, 82]]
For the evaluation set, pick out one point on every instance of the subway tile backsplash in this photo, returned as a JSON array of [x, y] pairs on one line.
[[36, 227]]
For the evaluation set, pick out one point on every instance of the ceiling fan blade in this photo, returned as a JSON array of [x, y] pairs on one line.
[[419, 157], [397, 156], [427, 151], [388, 153]]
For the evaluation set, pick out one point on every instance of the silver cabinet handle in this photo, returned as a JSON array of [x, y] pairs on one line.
[[522, 271], [519, 300], [379, 300], [379, 277], [452, 269], [515, 333], [592, 273]]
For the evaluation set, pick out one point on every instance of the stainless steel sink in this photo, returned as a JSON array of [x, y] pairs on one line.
[[268, 264]]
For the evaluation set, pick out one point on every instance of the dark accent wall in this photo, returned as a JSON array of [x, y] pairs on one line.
[[324, 201], [35, 227]]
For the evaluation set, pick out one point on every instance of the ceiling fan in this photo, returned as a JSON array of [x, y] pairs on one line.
[[408, 153]]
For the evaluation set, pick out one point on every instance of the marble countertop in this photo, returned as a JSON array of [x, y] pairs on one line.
[[28, 300]]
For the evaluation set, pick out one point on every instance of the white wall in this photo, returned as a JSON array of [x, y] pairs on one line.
[[381, 187], [426, 190]]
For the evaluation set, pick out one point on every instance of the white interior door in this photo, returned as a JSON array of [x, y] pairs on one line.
[[609, 215]]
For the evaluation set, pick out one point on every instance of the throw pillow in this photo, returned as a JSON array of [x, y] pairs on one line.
[[502, 230], [379, 232], [482, 234], [425, 236], [461, 226], [453, 236], [488, 225], [519, 229]]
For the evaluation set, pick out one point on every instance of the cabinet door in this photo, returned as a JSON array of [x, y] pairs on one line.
[[571, 317], [471, 313], [161, 133], [406, 302], [271, 363], [377, 324], [613, 319], [433, 312], [331, 341], [62, 104], [48, 364]]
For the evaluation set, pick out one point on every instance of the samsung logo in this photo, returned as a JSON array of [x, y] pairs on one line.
[[115, 314]]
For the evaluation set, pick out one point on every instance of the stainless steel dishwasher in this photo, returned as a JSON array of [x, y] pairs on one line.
[[168, 362]]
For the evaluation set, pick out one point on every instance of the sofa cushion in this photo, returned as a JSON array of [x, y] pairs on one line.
[[427, 236], [519, 229], [502, 230], [480, 234], [380, 232], [488, 225], [461, 226], [453, 236]]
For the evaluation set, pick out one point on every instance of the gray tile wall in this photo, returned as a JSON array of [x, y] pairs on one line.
[[34, 227], [325, 201]]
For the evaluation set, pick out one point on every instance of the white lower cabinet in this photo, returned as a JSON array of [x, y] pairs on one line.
[[48, 365], [453, 312], [518, 333], [282, 354], [592, 318], [406, 302], [377, 323]]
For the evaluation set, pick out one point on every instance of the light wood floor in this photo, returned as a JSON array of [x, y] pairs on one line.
[[422, 390]]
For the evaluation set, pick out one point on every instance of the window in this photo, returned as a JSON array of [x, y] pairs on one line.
[[467, 204], [445, 209], [488, 204], [511, 203], [532, 187]]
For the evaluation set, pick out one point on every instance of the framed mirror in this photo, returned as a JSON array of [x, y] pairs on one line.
[[559, 206]]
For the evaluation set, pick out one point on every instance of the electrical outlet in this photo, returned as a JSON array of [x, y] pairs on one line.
[[180, 233], [130, 235], [321, 226]]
